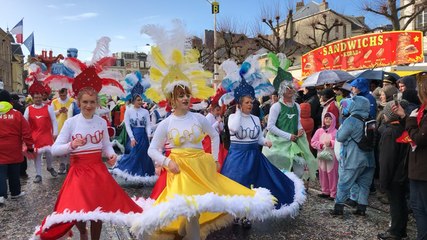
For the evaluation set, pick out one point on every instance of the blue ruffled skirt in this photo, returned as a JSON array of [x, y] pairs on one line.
[[246, 165], [137, 167]]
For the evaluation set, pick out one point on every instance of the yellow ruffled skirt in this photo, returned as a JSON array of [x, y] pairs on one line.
[[199, 190]]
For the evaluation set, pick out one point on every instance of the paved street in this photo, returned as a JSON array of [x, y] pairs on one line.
[[18, 218]]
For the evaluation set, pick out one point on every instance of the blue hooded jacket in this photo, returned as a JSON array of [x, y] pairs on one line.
[[350, 133], [363, 85]]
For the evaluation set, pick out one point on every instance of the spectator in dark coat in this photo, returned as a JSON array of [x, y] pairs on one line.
[[416, 125], [393, 172], [407, 83]]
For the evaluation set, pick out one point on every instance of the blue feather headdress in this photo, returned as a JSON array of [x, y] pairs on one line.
[[135, 85], [243, 81]]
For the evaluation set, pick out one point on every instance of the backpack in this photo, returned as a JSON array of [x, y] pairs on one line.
[[369, 136]]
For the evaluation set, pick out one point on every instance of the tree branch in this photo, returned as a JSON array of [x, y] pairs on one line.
[[413, 17], [406, 5]]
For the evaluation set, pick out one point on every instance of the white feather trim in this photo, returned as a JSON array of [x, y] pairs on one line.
[[68, 216], [111, 74], [157, 216], [199, 106], [135, 179], [292, 209], [112, 91], [170, 86], [229, 66]]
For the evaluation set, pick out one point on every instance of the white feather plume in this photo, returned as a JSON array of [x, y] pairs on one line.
[[167, 40], [101, 50]]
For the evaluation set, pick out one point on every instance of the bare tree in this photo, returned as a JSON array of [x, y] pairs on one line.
[[281, 27], [321, 24], [395, 12], [232, 41]]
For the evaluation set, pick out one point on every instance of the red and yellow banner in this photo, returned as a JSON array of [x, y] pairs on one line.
[[365, 52]]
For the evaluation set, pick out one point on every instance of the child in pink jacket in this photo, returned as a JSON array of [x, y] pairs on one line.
[[323, 141]]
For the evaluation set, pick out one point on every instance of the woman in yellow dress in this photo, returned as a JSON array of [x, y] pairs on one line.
[[196, 199]]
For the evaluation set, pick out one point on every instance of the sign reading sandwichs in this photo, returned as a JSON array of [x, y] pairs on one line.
[[366, 51]]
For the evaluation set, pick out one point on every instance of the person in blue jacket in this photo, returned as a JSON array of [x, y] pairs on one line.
[[360, 87], [356, 167]]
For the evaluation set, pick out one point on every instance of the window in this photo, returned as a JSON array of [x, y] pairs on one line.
[[421, 19]]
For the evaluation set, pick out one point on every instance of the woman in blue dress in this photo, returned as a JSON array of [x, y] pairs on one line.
[[246, 164], [136, 167]]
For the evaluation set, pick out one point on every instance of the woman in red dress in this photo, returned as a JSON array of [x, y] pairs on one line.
[[89, 193]]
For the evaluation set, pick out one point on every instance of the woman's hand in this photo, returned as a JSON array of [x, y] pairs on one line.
[[173, 167], [293, 138], [268, 143], [300, 132], [218, 166], [397, 109], [78, 142], [158, 170], [133, 143], [112, 160]]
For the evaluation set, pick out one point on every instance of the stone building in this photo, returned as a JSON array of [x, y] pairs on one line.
[[5, 61], [128, 62]]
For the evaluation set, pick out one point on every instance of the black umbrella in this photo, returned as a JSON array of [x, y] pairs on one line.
[[376, 75]]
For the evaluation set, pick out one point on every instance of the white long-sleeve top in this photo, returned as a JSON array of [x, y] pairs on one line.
[[245, 128], [137, 117], [185, 131], [51, 115], [217, 125], [274, 114], [93, 130]]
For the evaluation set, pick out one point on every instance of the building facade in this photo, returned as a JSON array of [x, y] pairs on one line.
[[128, 62], [5, 61]]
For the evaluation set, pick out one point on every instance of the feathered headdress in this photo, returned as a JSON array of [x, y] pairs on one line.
[[35, 79], [92, 74], [174, 63], [278, 65], [135, 85], [246, 80]]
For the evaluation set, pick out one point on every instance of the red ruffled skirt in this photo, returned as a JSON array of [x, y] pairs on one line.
[[88, 193]]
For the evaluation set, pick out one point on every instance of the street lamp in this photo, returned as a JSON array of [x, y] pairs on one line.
[[215, 10]]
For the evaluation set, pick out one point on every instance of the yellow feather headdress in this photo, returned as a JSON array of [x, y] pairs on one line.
[[170, 67]]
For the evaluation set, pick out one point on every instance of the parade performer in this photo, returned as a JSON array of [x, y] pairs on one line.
[[290, 150], [196, 199], [61, 106], [136, 167], [88, 193], [245, 163], [215, 119], [44, 128]]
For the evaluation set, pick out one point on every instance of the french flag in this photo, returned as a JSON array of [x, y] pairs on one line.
[[18, 31]]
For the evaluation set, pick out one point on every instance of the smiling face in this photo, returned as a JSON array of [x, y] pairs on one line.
[[88, 102], [383, 97], [37, 98], [180, 98], [246, 104]]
